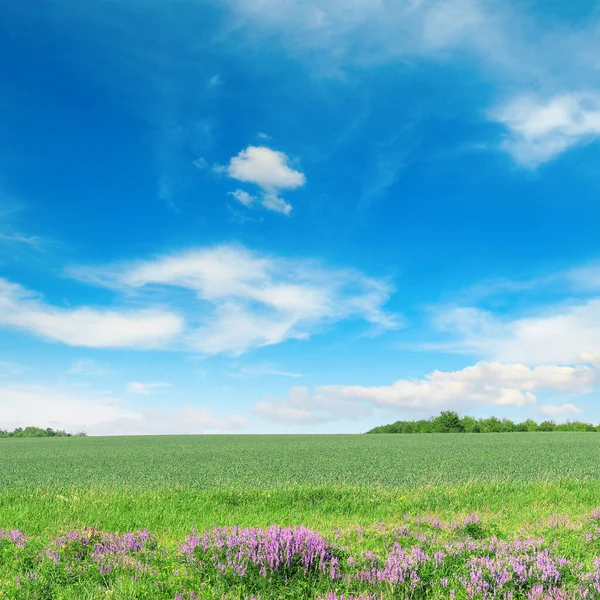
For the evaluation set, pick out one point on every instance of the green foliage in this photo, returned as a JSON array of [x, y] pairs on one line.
[[450, 422], [35, 432]]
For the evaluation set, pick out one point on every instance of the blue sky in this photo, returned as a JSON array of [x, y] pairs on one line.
[[290, 216]]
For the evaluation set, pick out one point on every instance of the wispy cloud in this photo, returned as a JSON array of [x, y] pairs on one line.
[[89, 327], [18, 238], [87, 366], [9, 368], [246, 299], [261, 370], [138, 387]]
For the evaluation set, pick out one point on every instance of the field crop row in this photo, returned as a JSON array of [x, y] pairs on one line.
[[213, 462]]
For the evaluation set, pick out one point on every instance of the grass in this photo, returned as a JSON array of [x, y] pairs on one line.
[[515, 482]]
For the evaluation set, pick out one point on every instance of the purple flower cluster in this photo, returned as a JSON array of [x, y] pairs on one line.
[[419, 558], [271, 550], [14, 536], [107, 551]]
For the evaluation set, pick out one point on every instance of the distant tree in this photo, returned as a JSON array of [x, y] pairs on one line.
[[490, 425], [470, 424], [508, 425], [447, 422], [530, 425], [450, 422], [30, 432]]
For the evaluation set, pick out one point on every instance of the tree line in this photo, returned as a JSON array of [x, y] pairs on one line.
[[29, 432], [450, 422]]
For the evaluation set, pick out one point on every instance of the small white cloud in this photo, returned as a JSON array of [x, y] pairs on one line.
[[93, 328], [540, 130], [266, 168], [86, 366], [137, 387], [489, 384], [215, 81], [556, 410], [244, 197], [276, 204], [270, 171]]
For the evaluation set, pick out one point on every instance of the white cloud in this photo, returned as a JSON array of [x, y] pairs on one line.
[[257, 371], [94, 328], [590, 358], [368, 30], [244, 197], [87, 366], [541, 129], [562, 410], [98, 415], [215, 81], [266, 168], [270, 171], [247, 300], [137, 387], [303, 408], [490, 384], [556, 334], [29, 240], [585, 278]]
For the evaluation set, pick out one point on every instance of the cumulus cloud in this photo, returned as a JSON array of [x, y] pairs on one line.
[[270, 171], [538, 130], [488, 384], [559, 410], [98, 415], [556, 334], [94, 328], [245, 299], [137, 387]]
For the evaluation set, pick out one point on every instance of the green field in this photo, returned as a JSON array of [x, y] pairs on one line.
[[171, 481], [211, 462], [330, 483]]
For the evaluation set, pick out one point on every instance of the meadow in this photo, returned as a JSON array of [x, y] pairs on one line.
[[418, 516]]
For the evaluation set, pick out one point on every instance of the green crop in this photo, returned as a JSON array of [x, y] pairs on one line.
[[212, 462]]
